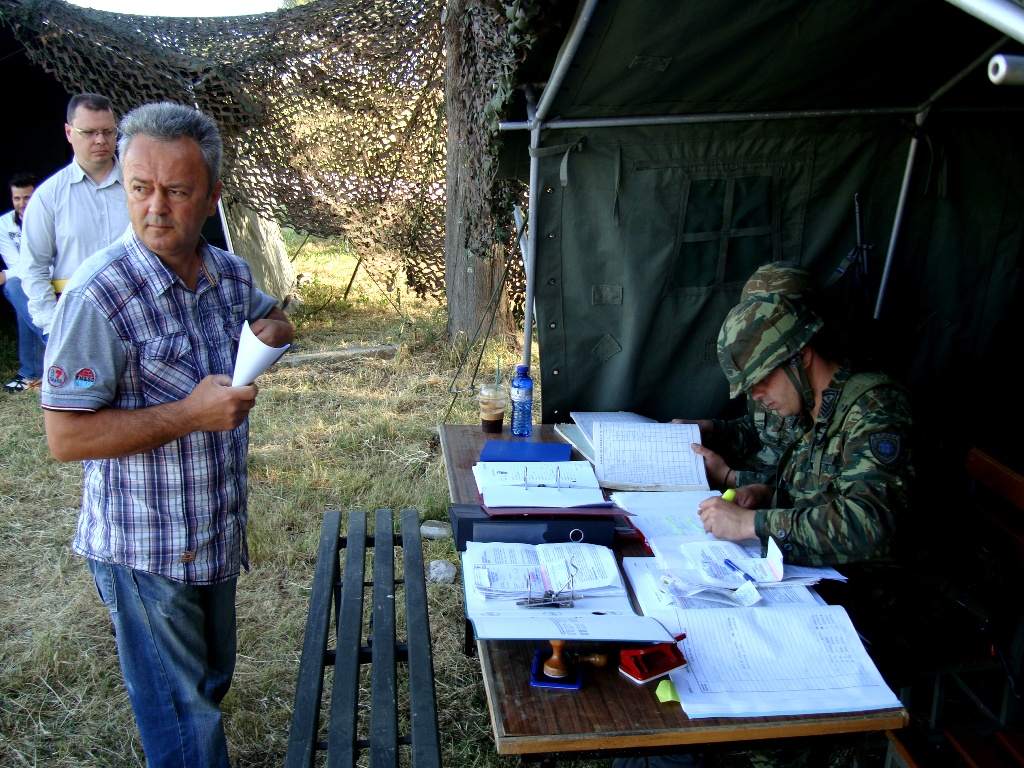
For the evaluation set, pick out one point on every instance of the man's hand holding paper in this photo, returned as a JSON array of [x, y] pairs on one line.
[[260, 345]]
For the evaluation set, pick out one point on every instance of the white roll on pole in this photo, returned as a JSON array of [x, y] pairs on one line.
[[1006, 70]]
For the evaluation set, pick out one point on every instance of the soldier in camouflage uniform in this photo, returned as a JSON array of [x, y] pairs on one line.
[[842, 484], [839, 443], [747, 450]]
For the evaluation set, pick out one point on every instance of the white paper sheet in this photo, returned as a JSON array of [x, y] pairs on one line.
[[253, 358], [664, 513], [773, 661]]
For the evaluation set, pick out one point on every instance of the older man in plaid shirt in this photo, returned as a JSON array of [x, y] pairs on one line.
[[138, 386]]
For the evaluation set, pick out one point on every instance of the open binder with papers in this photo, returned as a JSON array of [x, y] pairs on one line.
[[510, 487], [545, 591], [779, 660]]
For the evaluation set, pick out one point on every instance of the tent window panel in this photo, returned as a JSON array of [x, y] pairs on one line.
[[752, 202], [705, 207], [747, 254], [729, 226], [691, 268]]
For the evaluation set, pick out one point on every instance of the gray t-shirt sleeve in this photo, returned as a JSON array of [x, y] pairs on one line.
[[260, 304], [84, 360]]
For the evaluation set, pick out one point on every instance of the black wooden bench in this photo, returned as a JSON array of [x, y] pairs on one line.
[[346, 737]]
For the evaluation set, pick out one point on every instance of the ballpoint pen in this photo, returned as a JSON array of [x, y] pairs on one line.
[[733, 567]]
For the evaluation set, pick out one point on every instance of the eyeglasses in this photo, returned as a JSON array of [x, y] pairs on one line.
[[106, 133]]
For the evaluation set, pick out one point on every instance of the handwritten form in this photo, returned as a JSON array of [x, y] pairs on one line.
[[777, 660], [587, 419], [650, 456]]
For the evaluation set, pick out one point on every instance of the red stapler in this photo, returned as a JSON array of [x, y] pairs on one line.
[[653, 661]]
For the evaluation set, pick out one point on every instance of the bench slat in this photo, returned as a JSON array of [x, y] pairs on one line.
[[426, 750], [306, 714], [384, 692], [342, 734]]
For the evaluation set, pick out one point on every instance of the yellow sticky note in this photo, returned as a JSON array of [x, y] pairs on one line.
[[666, 692]]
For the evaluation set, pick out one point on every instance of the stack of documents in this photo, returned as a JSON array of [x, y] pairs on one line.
[[698, 563], [501, 579], [657, 591], [669, 513], [790, 654], [581, 432], [782, 660]]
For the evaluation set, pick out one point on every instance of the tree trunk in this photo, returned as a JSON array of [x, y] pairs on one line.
[[470, 278], [470, 281]]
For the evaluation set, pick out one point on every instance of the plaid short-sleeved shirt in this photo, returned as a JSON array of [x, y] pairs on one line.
[[129, 334]]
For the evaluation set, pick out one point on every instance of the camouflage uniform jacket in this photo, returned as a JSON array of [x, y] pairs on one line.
[[843, 484], [754, 444]]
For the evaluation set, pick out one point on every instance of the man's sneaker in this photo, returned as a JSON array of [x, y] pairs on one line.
[[20, 384]]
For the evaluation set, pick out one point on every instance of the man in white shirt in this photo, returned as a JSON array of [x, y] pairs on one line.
[[30, 338], [78, 211]]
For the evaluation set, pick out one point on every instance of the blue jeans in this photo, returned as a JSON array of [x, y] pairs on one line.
[[176, 644], [30, 338]]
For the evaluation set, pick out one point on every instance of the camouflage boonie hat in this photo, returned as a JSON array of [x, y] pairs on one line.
[[760, 334], [784, 277]]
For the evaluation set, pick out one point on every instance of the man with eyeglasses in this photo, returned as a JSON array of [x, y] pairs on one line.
[[77, 211]]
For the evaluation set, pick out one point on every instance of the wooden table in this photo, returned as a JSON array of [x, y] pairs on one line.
[[609, 712]]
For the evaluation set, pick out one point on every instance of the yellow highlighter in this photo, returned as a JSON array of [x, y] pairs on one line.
[[729, 494]]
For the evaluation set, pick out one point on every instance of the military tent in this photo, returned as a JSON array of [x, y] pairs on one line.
[[672, 147]]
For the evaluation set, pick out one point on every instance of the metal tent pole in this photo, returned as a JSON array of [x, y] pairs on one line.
[[898, 218], [530, 251], [536, 115], [1006, 16], [224, 223], [919, 119]]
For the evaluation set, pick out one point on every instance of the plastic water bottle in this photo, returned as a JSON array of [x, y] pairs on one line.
[[522, 402]]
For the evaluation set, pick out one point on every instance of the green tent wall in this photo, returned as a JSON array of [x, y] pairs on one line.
[[765, 119]]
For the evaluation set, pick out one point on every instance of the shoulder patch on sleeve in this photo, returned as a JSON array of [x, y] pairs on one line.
[[886, 447], [56, 377]]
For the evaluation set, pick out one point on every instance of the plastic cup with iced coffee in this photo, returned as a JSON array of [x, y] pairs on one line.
[[492, 408]]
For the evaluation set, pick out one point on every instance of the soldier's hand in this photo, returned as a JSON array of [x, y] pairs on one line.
[[726, 519], [714, 465], [706, 427], [755, 496]]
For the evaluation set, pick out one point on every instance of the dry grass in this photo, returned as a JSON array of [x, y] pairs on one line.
[[352, 435]]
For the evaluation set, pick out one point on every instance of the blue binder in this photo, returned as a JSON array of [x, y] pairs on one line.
[[509, 450]]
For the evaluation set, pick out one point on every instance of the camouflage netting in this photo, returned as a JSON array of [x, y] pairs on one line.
[[330, 112]]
